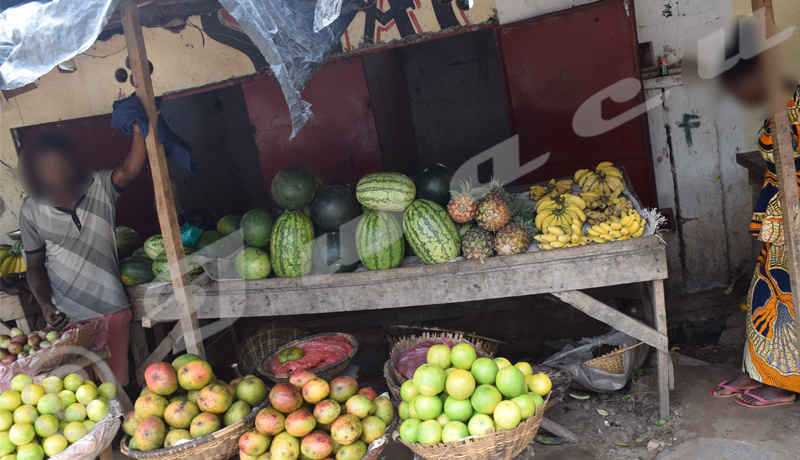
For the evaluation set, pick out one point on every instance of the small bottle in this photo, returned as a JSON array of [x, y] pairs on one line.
[[662, 66]]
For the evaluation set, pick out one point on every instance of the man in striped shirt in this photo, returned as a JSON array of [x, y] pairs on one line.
[[68, 233]]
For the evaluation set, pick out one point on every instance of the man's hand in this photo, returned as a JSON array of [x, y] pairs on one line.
[[53, 316]]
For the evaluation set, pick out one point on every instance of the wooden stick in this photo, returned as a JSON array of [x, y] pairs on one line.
[[783, 156], [160, 352], [167, 216], [614, 318], [559, 430]]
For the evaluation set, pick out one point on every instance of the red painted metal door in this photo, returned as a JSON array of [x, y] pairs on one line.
[[103, 147], [339, 144], [551, 66]]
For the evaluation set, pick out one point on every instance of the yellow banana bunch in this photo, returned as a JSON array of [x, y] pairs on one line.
[[13, 262], [630, 225], [553, 189], [604, 180], [562, 236]]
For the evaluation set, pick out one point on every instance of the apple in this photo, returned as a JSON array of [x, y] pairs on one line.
[[16, 332], [14, 348], [22, 354], [34, 339], [8, 360]]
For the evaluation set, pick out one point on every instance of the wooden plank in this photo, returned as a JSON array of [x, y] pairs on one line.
[[753, 162], [162, 350], [783, 155], [647, 304], [154, 315], [107, 453], [542, 272], [138, 344], [391, 108], [617, 320], [167, 216], [665, 380]]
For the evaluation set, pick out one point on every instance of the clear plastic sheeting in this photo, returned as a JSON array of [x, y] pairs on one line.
[[591, 378], [37, 36], [325, 13], [283, 30], [97, 440]]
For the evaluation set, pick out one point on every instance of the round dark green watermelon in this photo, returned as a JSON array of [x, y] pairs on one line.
[[136, 270], [334, 206], [139, 253], [257, 227], [206, 238], [252, 264], [433, 183], [127, 240], [229, 224], [161, 266], [293, 188], [335, 252], [343, 184]]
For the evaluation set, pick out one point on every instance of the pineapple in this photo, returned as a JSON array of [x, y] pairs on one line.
[[512, 239], [497, 192], [493, 214], [463, 206], [477, 244]]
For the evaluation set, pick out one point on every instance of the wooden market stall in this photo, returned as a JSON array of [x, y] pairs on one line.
[[560, 273]]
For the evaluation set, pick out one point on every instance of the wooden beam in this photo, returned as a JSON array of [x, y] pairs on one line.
[[782, 154], [619, 321], [160, 352], [156, 314], [167, 216]]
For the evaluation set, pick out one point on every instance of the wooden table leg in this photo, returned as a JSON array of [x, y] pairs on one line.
[[107, 454], [647, 304], [664, 365], [103, 372], [138, 344]]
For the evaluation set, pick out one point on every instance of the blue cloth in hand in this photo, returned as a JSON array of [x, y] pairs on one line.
[[130, 111]]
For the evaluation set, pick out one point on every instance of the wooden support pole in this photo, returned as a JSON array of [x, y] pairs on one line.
[[783, 155], [167, 216]]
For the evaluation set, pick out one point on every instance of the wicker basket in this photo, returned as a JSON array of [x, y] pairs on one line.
[[326, 373], [63, 351], [220, 445], [263, 342], [391, 381], [395, 333], [611, 362], [403, 343], [504, 445]]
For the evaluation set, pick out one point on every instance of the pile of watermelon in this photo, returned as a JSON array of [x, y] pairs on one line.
[[331, 228]]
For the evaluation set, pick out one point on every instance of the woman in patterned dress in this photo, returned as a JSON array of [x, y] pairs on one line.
[[771, 368]]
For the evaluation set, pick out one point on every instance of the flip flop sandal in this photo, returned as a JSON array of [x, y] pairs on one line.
[[762, 400], [724, 385]]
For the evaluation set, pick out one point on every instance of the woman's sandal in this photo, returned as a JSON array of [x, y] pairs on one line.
[[724, 385], [762, 400]]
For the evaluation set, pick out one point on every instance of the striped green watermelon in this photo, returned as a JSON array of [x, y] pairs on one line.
[[431, 232], [154, 246], [379, 241], [292, 244], [127, 240], [161, 266], [136, 270], [206, 238], [385, 191], [140, 253]]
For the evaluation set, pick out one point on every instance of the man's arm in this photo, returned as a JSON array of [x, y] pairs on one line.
[[39, 283], [125, 174]]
